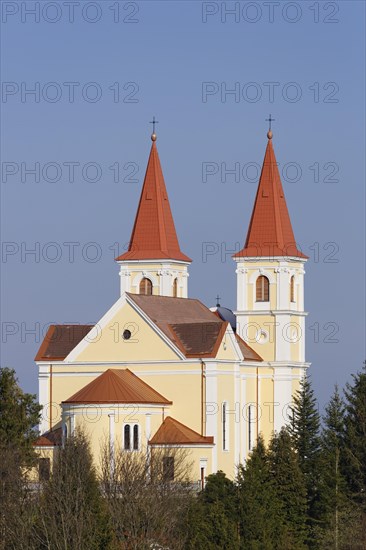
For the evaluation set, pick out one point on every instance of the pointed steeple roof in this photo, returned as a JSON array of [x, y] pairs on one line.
[[270, 231], [154, 236]]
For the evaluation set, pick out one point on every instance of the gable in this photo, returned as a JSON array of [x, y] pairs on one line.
[[106, 343]]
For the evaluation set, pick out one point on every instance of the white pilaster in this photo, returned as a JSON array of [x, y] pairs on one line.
[[237, 418], [212, 409], [72, 423], [242, 294], [111, 417], [282, 380], [282, 342], [43, 396], [125, 279], [243, 418]]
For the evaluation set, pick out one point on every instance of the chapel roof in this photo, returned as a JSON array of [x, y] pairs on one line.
[[117, 386], [173, 432], [49, 439]]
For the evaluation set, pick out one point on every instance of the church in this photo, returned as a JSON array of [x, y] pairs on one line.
[[162, 370]]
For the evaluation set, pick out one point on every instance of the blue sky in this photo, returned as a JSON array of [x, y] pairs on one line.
[[97, 86]]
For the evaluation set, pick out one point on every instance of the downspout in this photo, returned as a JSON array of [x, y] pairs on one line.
[[50, 403], [203, 397]]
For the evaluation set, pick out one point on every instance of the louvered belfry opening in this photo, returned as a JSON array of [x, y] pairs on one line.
[[146, 287], [262, 289]]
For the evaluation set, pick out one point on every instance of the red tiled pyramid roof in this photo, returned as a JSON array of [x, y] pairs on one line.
[[154, 235], [49, 439], [173, 432], [270, 231], [117, 386]]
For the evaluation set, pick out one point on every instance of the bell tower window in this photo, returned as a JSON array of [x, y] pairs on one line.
[[292, 289], [175, 288], [262, 289], [146, 287]]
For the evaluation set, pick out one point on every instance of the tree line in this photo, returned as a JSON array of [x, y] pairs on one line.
[[306, 489]]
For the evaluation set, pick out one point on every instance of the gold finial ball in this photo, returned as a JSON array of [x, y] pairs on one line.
[[154, 137], [269, 134]]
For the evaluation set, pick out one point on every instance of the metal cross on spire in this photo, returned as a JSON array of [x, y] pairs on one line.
[[153, 122], [218, 298], [270, 120]]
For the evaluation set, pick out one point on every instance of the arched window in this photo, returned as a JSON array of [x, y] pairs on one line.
[[127, 437], [146, 287], [136, 437], [262, 289], [292, 288], [175, 288]]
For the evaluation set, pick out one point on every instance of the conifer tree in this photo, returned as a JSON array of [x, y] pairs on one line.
[[355, 437], [213, 516], [304, 430], [338, 518], [220, 488], [19, 414], [210, 528], [290, 486], [262, 519]]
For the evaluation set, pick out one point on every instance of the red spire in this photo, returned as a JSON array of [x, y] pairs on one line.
[[270, 231], [153, 235]]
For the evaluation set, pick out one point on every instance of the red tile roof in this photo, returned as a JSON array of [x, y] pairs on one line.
[[154, 235], [172, 432], [60, 340], [248, 353], [118, 386], [49, 439], [199, 339], [270, 231], [190, 325]]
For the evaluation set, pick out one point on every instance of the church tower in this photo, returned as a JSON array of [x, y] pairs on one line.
[[270, 290], [154, 263]]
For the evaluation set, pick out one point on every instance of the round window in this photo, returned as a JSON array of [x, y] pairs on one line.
[[126, 334]]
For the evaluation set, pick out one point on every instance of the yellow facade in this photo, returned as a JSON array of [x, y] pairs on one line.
[[229, 395]]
